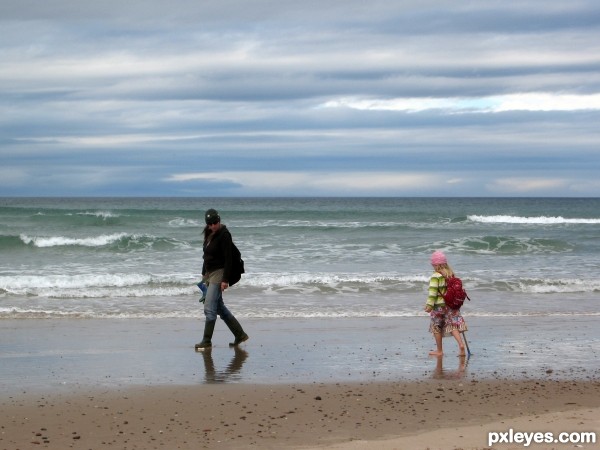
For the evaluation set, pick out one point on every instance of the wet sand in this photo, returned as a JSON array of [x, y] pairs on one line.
[[62, 354], [352, 384]]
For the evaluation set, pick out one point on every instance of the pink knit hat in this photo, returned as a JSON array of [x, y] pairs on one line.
[[438, 258]]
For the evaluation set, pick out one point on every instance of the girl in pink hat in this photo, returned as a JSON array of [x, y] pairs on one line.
[[444, 321]]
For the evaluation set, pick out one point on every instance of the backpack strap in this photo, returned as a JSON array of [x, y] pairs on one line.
[[445, 285]]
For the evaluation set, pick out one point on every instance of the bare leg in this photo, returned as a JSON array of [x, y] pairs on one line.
[[438, 344], [459, 341]]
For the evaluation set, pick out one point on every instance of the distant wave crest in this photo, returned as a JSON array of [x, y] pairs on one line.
[[118, 241], [509, 245], [100, 214], [541, 220], [59, 241]]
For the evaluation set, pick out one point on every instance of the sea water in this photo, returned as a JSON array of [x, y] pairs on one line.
[[305, 257]]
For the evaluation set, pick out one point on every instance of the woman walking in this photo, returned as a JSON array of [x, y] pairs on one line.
[[444, 321], [216, 270]]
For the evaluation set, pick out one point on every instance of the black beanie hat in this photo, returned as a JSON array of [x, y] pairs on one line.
[[211, 216]]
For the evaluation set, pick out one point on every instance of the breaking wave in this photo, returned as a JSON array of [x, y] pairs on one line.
[[541, 220]]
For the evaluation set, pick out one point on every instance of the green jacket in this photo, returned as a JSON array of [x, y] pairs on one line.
[[437, 287]]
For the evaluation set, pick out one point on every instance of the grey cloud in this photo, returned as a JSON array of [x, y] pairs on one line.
[[136, 91]]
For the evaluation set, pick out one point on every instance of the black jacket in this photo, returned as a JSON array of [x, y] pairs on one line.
[[217, 253]]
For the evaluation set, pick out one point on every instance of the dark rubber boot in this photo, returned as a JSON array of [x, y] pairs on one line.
[[237, 330], [209, 328]]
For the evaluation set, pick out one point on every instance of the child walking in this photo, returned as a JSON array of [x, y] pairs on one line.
[[444, 321]]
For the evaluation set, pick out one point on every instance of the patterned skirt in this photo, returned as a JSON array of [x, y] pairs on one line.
[[445, 320]]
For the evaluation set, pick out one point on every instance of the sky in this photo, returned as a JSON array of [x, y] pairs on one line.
[[251, 98]]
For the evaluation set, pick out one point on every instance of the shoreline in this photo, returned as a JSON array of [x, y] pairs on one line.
[[444, 414], [64, 354]]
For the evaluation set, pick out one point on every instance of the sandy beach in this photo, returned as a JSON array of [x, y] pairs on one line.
[[368, 384], [445, 414]]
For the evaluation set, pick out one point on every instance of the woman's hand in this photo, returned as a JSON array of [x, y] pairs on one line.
[[224, 285], [428, 308]]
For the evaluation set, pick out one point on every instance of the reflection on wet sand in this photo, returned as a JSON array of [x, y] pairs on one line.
[[230, 373], [441, 373]]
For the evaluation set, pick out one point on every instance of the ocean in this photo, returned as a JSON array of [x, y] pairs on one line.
[[130, 258]]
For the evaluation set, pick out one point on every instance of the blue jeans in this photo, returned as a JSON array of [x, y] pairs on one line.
[[214, 305]]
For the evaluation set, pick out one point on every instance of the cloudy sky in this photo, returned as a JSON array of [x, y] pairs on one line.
[[299, 98]]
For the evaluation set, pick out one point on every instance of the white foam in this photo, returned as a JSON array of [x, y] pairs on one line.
[[22, 284], [559, 286], [291, 279], [59, 241], [119, 313], [541, 220], [100, 214], [180, 222], [312, 224]]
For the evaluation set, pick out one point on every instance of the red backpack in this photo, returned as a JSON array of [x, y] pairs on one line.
[[455, 294]]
